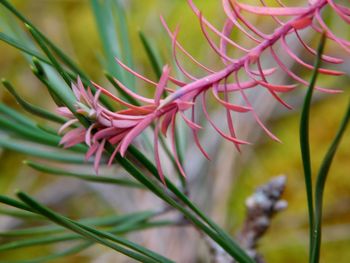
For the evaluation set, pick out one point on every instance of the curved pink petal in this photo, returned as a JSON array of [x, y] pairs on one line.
[[232, 16], [98, 156], [211, 43], [173, 147], [229, 106], [301, 62], [156, 154], [66, 125], [162, 84], [139, 128], [183, 49], [212, 28], [271, 11], [326, 58]]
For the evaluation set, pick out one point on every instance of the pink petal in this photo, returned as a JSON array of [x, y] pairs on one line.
[[229, 138], [182, 49], [74, 136], [256, 117], [124, 123], [196, 137], [104, 133], [88, 134], [178, 64], [98, 156], [135, 132], [211, 27], [233, 17], [211, 43], [301, 62], [173, 147], [228, 105], [67, 124], [135, 73], [109, 94], [133, 94], [272, 11], [65, 112], [110, 161], [191, 124], [156, 154], [91, 150], [313, 52], [162, 84], [166, 121]]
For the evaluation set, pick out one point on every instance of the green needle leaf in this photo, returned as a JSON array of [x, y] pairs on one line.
[[86, 177], [71, 251], [106, 28], [321, 183], [304, 140], [30, 107], [12, 42], [95, 235], [57, 51], [152, 55], [37, 151]]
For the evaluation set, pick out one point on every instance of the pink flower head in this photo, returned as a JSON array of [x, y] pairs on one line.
[[122, 127]]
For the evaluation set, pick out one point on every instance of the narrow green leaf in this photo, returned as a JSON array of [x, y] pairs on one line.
[[122, 29], [15, 43], [47, 52], [70, 251], [304, 141], [37, 241], [57, 51], [16, 116], [116, 221], [36, 135], [152, 55], [223, 240], [106, 27], [44, 153], [93, 234], [30, 107], [321, 183], [20, 214], [220, 237], [86, 177], [29, 134], [14, 203]]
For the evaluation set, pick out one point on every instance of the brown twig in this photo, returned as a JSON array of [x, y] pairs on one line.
[[261, 207]]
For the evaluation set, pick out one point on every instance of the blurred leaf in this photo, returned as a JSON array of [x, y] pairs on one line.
[[304, 140], [103, 11], [152, 55], [92, 234], [120, 221], [44, 153], [71, 251], [16, 116], [30, 107], [86, 177], [58, 52]]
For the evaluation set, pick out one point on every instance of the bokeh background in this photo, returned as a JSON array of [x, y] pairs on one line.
[[231, 176]]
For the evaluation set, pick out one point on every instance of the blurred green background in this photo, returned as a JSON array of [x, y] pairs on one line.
[[70, 24]]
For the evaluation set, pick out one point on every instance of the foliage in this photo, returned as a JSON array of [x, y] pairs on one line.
[[105, 128]]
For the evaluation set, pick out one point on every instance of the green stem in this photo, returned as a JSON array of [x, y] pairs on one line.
[[320, 185], [305, 144]]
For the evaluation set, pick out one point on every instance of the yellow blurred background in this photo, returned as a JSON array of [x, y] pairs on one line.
[[70, 24]]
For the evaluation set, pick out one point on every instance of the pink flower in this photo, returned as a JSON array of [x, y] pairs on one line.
[[122, 127]]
